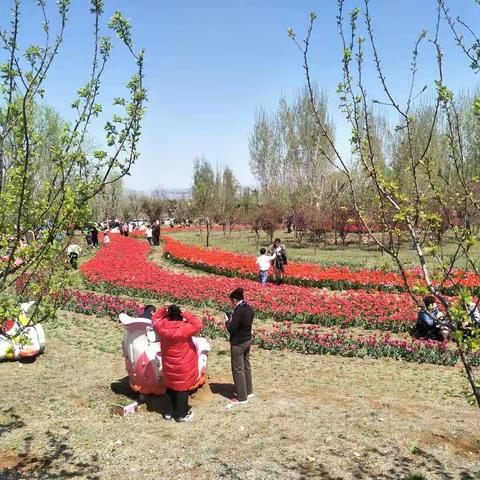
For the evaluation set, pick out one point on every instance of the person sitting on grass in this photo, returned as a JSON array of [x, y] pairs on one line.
[[430, 322], [264, 263], [179, 358]]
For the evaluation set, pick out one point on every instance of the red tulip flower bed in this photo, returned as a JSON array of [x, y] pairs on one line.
[[310, 340], [90, 303], [305, 274], [123, 268]]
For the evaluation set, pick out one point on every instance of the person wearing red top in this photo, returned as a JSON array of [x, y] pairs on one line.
[[179, 357]]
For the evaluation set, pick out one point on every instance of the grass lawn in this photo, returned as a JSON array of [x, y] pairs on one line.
[[314, 417], [352, 255]]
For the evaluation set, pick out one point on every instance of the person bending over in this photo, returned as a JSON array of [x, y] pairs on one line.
[[74, 251]]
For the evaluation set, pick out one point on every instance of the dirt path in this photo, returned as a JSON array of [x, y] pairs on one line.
[[156, 256], [314, 417]]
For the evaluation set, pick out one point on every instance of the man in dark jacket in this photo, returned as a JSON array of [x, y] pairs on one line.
[[94, 233], [156, 233], [239, 326]]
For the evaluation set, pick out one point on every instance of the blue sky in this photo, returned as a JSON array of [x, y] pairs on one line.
[[211, 64]]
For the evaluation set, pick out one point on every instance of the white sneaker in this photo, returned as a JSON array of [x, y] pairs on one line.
[[234, 402], [250, 395], [187, 418]]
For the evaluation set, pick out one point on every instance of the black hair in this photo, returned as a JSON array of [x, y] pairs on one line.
[[148, 311], [262, 251], [429, 301], [277, 240], [237, 294], [174, 312]]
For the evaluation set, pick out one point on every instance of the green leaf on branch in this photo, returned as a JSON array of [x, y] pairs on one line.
[[121, 26]]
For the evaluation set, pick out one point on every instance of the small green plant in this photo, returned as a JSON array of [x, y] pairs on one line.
[[413, 448], [415, 476]]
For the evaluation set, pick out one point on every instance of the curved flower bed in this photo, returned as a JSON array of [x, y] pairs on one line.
[[309, 340], [90, 303], [305, 274], [123, 268], [304, 339]]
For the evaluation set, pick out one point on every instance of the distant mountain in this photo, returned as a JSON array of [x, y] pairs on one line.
[[176, 193]]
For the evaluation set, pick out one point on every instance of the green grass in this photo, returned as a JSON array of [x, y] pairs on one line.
[[353, 256]]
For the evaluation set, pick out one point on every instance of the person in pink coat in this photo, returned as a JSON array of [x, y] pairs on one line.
[[179, 357]]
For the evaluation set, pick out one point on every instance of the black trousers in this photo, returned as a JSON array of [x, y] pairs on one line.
[[178, 403], [242, 374], [74, 260]]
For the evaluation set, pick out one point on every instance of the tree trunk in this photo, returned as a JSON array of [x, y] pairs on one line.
[[1, 169], [208, 234], [390, 242], [470, 375]]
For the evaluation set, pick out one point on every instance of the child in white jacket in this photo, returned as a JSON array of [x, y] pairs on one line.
[[264, 262]]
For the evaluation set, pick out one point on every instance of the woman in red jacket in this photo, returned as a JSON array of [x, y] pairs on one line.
[[179, 357]]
